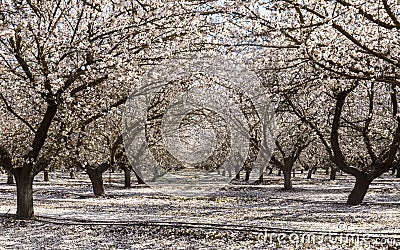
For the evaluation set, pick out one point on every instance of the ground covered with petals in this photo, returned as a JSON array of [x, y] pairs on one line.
[[242, 216]]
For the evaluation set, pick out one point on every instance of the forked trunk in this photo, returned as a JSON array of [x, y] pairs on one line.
[[97, 181], [288, 180], [359, 190], [24, 183]]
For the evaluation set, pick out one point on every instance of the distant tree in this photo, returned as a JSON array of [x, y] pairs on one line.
[[290, 142]]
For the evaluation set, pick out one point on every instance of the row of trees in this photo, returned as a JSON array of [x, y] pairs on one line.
[[66, 64], [331, 68], [334, 66]]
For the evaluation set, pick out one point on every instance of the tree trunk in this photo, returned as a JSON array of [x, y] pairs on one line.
[[398, 172], [97, 181], [46, 175], [288, 180], [332, 175], [261, 178], [309, 173], [139, 179], [279, 172], [24, 181], [10, 178], [127, 175], [237, 177], [359, 190], [72, 174], [247, 176]]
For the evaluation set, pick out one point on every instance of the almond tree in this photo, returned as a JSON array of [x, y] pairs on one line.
[[326, 50], [63, 61], [290, 142]]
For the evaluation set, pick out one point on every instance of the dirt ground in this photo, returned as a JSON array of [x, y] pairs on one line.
[[311, 216]]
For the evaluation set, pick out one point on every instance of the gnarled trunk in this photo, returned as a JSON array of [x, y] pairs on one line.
[[24, 181], [359, 190], [96, 177]]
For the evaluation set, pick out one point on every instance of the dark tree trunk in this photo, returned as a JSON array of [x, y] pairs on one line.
[[140, 181], [96, 178], [359, 190], [270, 171], [398, 172], [288, 180], [309, 173], [279, 172], [332, 175], [46, 175], [10, 178], [72, 174], [127, 179], [261, 178], [24, 181], [247, 177], [237, 177]]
